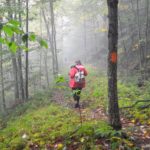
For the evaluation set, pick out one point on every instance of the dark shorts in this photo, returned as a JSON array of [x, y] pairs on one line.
[[76, 93]]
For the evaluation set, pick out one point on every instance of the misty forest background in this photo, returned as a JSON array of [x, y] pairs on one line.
[[40, 40]]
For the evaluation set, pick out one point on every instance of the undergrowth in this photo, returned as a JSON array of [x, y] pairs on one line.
[[56, 127], [41, 123]]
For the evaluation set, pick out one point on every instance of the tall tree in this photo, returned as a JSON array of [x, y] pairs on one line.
[[13, 56], [50, 43], [146, 38], [20, 74], [113, 108], [84, 31], [27, 57], [139, 38], [53, 34], [2, 77], [41, 33]]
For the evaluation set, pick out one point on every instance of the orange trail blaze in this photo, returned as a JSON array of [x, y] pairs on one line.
[[113, 57]]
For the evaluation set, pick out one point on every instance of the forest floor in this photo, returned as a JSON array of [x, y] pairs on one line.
[[139, 133], [49, 120]]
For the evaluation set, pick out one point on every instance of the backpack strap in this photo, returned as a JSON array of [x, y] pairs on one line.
[[77, 68]]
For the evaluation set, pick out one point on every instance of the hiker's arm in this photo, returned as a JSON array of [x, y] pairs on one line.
[[72, 73], [85, 72]]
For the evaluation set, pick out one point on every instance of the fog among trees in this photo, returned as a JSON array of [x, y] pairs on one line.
[[41, 39]]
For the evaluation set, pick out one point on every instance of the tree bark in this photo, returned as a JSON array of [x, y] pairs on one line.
[[53, 33], [2, 79], [84, 34], [50, 40], [46, 69], [124, 46], [141, 53], [41, 30], [27, 57], [146, 40], [20, 74], [15, 73], [13, 57], [113, 108]]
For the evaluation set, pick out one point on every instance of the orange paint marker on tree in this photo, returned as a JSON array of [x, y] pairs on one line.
[[113, 57]]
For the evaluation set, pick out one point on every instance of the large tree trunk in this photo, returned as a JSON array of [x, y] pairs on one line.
[[113, 108]]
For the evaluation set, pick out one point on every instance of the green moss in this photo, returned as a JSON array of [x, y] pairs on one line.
[[46, 123]]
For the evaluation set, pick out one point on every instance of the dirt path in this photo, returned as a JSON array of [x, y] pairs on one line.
[[58, 97], [139, 133]]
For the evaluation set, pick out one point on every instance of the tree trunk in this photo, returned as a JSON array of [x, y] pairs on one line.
[[125, 50], [21, 82], [27, 57], [146, 40], [139, 38], [13, 56], [41, 30], [53, 33], [50, 41], [113, 108], [84, 35], [2, 79], [15, 73], [46, 69]]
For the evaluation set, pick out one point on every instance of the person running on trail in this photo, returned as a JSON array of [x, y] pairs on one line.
[[77, 80]]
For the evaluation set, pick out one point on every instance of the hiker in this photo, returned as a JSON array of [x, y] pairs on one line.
[[77, 80]]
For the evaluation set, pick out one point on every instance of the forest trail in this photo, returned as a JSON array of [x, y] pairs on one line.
[[139, 133], [98, 113]]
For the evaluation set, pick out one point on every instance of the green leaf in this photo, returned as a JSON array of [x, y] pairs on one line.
[[15, 22], [43, 43], [24, 48], [59, 79], [13, 47], [8, 30], [15, 28], [32, 37], [2, 40]]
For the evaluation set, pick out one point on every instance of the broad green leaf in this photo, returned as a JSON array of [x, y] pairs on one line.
[[8, 31], [17, 30], [14, 28], [15, 22], [43, 43], [13, 47]]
